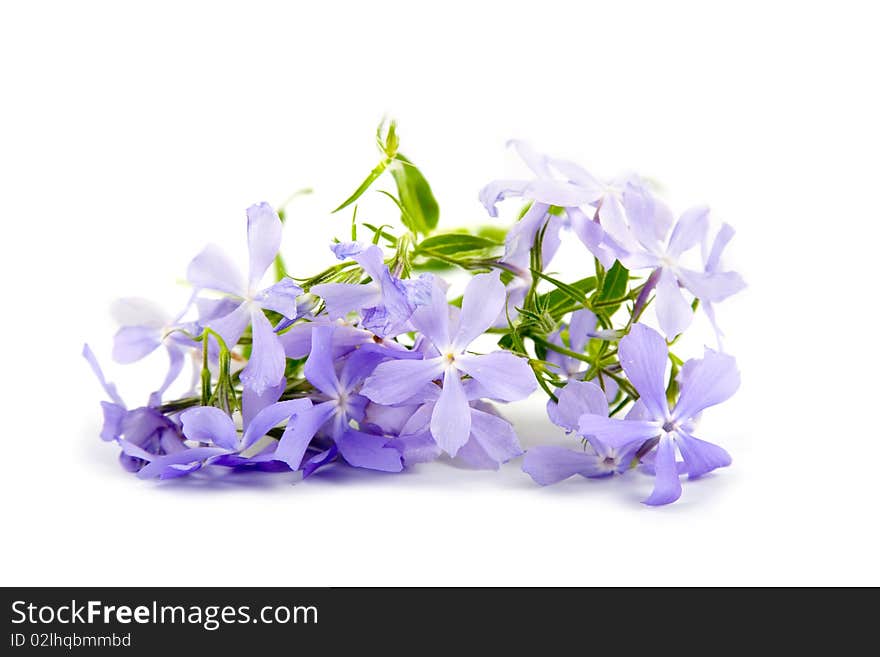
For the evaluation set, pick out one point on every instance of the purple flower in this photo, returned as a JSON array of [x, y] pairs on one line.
[[144, 327], [212, 270], [562, 184], [142, 433], [219, 443], [551, 464], [711, 265], [386, 303], [652, 425], [501, 375], [651, 240], [297, 340], [491, 442], [338, 404]]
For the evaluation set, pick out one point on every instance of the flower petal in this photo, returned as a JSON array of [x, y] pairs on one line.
[[615, 433], [612, 216], [641, 209], [549, 464], [319, 368], [345, 250], [497, 190], [209, 309], [521, 237], [365, 450], [576, 399], [690, 230], [451, 419], [207, 424], [712, 286], [109, 388], [667, 485], [558, 193], [710, 381], [722, 238], [271, 416], [175, 366], [501, 374], [319, 460], [581, 328], [483, 300], [180, 463], [266, 365], [674, 313], [700, 457], [252, 403], [131, 343], [213, 270], [344, 298], [395, 381], [591, 234], [300, 430], [388, 419], [372, 261], [495, 435], [113, 417], [264, 240], [432, 319], [280, 297], [643, 354], [534, 160], [576, 174], [231, 326], [417, 448]]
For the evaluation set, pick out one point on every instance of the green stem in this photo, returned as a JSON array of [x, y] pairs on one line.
[[560, 350]]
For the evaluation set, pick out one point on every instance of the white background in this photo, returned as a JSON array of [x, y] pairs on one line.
[[131, 135]]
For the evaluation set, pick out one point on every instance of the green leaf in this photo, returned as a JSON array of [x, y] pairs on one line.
[[457, 244], [615, 286], [364, 186], [494, 233], [558, 302], [570, 291], [405, 217], [379, 231], [415, 195]]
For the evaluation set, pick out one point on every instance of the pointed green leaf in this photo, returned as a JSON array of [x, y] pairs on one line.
[[364, 186], [415, 195], [615, 286], [457, 244]]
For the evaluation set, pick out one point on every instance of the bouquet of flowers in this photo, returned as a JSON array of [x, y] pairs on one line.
[[375, 363]]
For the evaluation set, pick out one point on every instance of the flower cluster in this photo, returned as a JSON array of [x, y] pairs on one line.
[[376, 363]]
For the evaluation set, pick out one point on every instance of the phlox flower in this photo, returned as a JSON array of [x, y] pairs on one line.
[[598, 458], [338, 403], [563, 184], [142, 433], [491, 442], [144, 327], [212, 270], [385, 302], [653, 240], [654, 426], [501, 375], [219, 442]]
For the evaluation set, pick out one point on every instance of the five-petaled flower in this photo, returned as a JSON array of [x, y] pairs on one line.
[[500, 374], [212, 270]]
